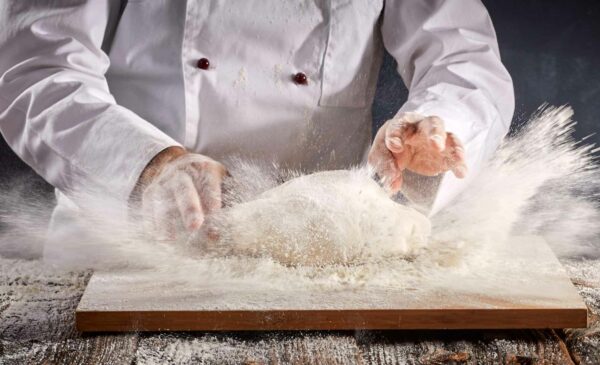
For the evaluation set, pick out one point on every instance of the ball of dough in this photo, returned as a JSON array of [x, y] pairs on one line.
[[331, 217]]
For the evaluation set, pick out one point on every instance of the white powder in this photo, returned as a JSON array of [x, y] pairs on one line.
[[240, 82], [539, 182], [332, 217]]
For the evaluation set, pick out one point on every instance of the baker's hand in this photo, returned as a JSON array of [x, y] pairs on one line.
[[177, 190], [417, 143]]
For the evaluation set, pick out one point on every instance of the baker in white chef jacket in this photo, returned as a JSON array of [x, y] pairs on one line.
[[144, 98]]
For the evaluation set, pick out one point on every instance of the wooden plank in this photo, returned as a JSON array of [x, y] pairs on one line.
[[26, 285], [539, 297], [449, 318]]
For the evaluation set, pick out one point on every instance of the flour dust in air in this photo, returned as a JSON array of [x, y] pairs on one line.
[[284, 229]]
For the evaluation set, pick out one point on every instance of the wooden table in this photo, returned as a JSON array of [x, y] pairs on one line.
[[37, 325]]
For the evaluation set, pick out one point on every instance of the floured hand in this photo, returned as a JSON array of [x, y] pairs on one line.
[[178, 190], [417, 143]]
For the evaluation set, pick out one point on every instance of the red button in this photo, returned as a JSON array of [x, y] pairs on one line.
[[203, 63], [300, 78]]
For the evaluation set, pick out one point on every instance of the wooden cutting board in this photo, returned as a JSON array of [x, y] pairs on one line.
[[533, 291]]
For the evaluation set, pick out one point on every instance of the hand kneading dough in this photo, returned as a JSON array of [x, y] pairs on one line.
[[332, 217]]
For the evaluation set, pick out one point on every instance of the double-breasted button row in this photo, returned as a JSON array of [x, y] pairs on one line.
[[299, 78]]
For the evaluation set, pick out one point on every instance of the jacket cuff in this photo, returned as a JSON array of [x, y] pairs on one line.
[[114, 153], [457, 119], [432, 194]]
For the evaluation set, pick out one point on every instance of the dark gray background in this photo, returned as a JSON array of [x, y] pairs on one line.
[[550, 47]]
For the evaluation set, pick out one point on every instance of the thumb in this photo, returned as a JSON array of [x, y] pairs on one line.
[[383, 162]]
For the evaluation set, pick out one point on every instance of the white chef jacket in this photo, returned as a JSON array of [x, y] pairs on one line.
[[91, 90]]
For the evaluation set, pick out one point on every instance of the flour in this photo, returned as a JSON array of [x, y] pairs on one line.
[[241, 80], [332, 217], [330, 230], [539, 182]]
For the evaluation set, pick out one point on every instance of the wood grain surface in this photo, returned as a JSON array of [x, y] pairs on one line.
[[37, 326]]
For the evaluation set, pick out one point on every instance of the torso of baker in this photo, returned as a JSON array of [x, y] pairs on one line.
[[284, 81], [92, 90]]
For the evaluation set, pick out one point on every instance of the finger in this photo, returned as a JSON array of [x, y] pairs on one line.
[[392, 181], [208, 177], [213, 234], [397, 131], [148, 209], [396, 184], [394, 138], [433, 130], [400, 130], [188, 202], [164, 215], [384, 163], [211, 230], [456, 156], [207, 165], [380, 157], [211, 193]]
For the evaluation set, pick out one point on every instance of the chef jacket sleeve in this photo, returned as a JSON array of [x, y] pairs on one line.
[[448, 57], [56, 110]]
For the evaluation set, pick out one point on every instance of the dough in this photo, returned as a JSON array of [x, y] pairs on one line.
[[332, 217]]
